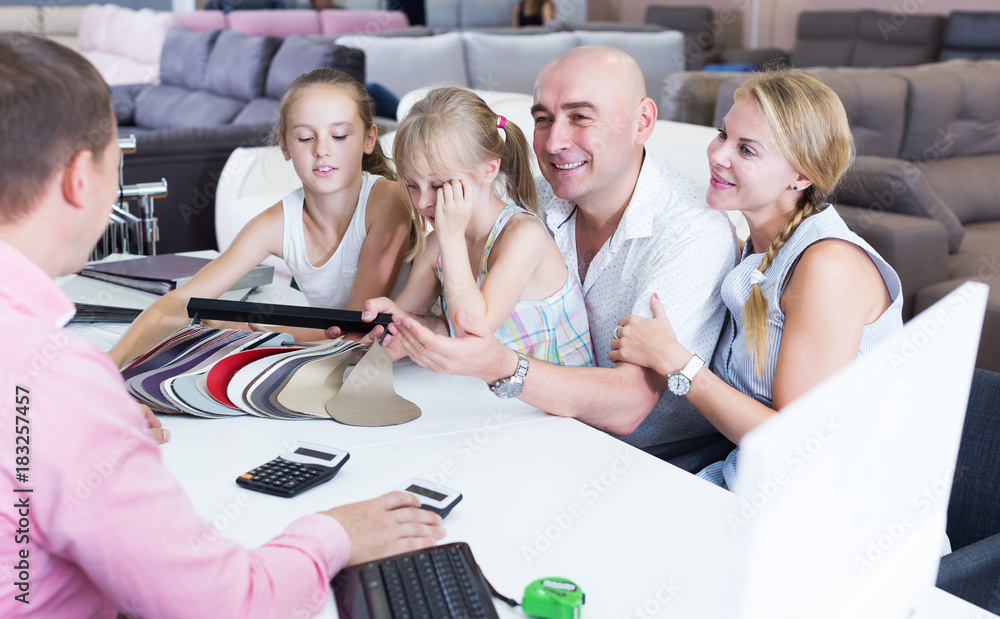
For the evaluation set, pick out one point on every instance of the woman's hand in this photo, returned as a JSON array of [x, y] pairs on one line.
[[452, 213], [649, 342]]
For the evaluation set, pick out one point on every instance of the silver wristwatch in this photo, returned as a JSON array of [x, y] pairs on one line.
[[511, 387], [679, 383]]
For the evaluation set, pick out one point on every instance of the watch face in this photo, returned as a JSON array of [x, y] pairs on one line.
[[678, 383], [508, 389]]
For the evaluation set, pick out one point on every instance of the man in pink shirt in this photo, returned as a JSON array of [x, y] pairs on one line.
[[92, 522]]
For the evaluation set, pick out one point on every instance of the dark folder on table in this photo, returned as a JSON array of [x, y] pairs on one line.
[[163, 273]]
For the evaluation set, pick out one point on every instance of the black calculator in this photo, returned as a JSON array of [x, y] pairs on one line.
[[298, 468]]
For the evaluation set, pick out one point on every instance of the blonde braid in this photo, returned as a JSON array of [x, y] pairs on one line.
[[755, 308]]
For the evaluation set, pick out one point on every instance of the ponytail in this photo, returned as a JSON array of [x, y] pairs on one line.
[[515, 165], [377, 163]]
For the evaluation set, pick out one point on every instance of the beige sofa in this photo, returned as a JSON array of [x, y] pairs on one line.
[[59, 23]]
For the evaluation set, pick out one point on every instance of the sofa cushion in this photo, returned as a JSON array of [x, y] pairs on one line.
[[978, 255], [511, 63], [148, 30], [895, 39], [237, 64], [118, 69], [299, 54], [335, 22], [888, 184], [62, 24], [201, 20], [952, 110], [279, 23], [971, 34], [825, 38], [185, 57], [970, 186], [263, 110], [402, 64], [166, 107], [874, 101], [94, 26], [21, 18], [658, 53]]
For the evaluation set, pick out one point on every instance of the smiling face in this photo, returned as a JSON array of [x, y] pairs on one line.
[[585, 136], [748, 171], [325, 139]]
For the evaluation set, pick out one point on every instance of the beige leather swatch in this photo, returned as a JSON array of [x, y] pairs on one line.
[[368, 398], [313, 383]]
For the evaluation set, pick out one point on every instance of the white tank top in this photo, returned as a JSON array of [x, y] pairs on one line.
[[328, 285]]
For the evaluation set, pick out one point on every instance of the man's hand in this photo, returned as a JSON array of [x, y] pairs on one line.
[[476, 353], [156, 430], [387, 525]]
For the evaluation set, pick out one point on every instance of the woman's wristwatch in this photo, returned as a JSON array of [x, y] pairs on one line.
[[679, 383], [511, 387]]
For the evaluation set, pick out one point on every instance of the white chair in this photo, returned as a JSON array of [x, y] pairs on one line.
[[252, 180]]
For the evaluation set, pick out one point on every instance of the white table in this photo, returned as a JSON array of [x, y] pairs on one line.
[[543, 496]]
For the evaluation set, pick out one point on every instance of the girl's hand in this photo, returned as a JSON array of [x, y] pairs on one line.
[[649, 342], [453, 211], [226, 324]]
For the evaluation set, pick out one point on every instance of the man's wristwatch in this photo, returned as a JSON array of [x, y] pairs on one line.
[[511, 387], [679, 383]]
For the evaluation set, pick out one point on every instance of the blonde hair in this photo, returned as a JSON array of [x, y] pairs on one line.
[[375, 162], [456, 132], [809, 126]]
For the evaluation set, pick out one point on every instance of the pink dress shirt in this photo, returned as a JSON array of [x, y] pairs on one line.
[[109, 528]]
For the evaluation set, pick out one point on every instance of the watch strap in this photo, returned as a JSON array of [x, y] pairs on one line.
[[518, 375], [692, 367]]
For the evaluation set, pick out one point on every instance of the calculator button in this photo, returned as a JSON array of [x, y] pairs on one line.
[[246, 476]]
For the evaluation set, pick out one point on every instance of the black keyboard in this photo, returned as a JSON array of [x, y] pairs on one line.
[[436, 583]]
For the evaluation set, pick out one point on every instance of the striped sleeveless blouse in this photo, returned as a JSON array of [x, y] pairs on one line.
[[734, 363], [554, 329]]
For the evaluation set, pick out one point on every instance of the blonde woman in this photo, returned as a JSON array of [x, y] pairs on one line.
[[808, 296]]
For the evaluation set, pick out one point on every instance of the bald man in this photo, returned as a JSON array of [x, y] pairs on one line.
[[629, 228]]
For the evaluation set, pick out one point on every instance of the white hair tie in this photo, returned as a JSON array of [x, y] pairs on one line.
[[756, 277]]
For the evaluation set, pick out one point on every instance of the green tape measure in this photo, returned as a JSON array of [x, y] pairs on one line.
[[553, 598]]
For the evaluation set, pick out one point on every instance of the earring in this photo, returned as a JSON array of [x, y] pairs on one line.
[[795, 188]]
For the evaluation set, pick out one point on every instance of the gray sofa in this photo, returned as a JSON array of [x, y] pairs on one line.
[[843, 38], [219, 90], [505, 60], [925, 187]]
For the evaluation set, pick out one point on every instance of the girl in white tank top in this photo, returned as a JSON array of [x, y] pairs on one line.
[[344, 234]]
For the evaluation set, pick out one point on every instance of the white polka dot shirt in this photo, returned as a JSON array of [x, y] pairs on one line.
[[668, 242]]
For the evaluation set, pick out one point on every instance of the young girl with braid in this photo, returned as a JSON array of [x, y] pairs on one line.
[[465, 170], [808, 296]]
